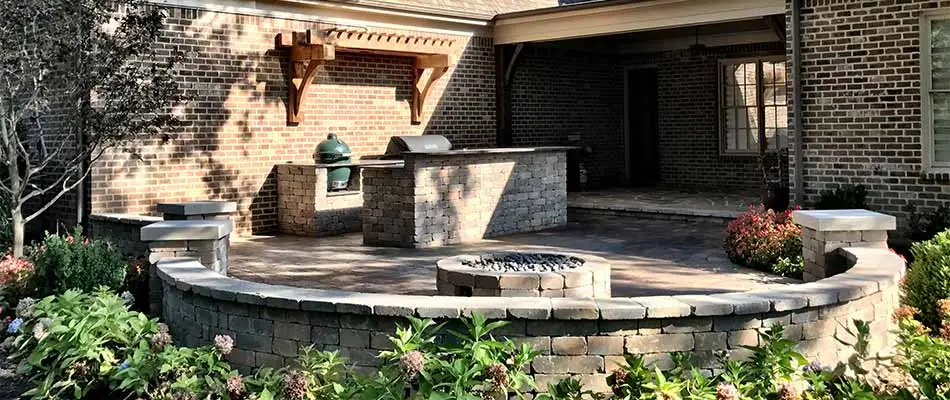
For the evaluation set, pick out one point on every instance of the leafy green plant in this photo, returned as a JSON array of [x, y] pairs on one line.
[[928, 278], [760, 238], [793, 267], [568, 389], [73, 262], [471, 366], [843, 197], [925, 358], [71, 344]]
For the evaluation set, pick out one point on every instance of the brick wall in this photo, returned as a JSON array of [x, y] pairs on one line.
[[861, 102], [558, 92], [437, 200], [235, 129], [688, 112]]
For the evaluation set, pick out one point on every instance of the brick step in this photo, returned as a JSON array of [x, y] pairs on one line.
[[580, 213]]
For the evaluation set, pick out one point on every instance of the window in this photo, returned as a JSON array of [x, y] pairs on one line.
[[753, 105], [935, 89]]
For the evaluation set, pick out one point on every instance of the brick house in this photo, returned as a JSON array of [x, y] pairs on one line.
[[672, 94]]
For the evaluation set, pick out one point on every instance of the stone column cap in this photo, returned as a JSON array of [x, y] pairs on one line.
[[202, 229], [203, 207], [844, 220]]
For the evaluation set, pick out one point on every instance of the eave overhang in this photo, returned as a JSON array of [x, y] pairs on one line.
[[623, 16]]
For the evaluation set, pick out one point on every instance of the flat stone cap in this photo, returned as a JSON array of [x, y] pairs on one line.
[[202, 229], [844, 220], [204, 207]]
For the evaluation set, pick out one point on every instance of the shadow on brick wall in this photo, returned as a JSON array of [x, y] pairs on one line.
[[234, 128]]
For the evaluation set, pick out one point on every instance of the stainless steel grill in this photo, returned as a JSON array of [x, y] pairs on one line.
[[417, 144]]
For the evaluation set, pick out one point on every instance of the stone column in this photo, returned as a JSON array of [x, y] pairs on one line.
[[197, 210], [825, 231], [206, 240]]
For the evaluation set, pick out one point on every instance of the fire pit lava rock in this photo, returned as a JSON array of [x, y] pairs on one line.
[[518, 274]]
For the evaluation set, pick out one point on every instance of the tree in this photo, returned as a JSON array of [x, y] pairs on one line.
[[77, 78]]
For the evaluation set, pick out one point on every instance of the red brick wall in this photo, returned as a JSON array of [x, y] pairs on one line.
[[235, 128], [861, 101]]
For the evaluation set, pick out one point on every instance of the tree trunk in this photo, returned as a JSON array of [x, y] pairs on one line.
[[18, 229]]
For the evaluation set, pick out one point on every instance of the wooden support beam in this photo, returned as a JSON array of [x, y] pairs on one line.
[[426, 71], [506, 57], [304, 60], [777, 24]]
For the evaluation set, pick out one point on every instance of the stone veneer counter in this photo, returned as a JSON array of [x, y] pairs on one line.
[[462, 196]]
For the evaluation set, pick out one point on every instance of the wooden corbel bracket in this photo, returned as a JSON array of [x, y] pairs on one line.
[[307, 51], [426, 71], [305, 57]]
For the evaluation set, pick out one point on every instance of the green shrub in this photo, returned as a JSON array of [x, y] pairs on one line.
[[928, 278], [73, 262], [923, 357], [760, 238], [843, 198], [924, 226]]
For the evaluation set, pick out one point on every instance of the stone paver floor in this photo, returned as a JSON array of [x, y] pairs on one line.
[[653, 200], [649, 257]]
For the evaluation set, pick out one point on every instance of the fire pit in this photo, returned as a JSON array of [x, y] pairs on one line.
[[516, 274]]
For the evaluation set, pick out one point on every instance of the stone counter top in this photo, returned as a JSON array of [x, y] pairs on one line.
[[500, 150], [368, 163]]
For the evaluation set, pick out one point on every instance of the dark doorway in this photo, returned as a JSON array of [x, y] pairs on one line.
[[643, 164]]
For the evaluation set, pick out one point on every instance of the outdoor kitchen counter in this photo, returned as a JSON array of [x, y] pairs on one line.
[[460, 196]]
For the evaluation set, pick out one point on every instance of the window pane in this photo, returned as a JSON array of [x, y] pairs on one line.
[[740, 103], [940, 53], [941, 119]]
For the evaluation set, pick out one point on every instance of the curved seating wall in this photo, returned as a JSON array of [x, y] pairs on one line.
[[585, 337]]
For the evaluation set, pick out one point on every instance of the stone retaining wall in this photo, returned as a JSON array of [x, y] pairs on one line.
[[582, 337], [440, 199], [122, 230]]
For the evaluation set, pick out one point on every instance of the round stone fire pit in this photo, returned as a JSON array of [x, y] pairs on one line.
[[516, 274]]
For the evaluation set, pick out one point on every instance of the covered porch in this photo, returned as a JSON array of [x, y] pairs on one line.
[[682, 105]]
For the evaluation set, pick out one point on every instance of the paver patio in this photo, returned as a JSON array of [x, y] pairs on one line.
[[660, 201], [649, 257]]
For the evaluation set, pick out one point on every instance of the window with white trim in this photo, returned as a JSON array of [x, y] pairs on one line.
[[752, 105], [935, 89]]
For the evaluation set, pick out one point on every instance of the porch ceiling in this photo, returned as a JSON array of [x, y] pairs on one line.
[[758, 30], [617, 17]]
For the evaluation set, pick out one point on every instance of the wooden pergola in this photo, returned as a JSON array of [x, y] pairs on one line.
[[307, 51]]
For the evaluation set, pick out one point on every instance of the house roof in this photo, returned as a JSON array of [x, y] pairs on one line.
[[475, 9]]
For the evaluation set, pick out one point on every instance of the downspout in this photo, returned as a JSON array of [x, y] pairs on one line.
[[798, 144]]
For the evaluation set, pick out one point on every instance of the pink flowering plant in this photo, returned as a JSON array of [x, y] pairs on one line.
[[15, 275], [766, 240]]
